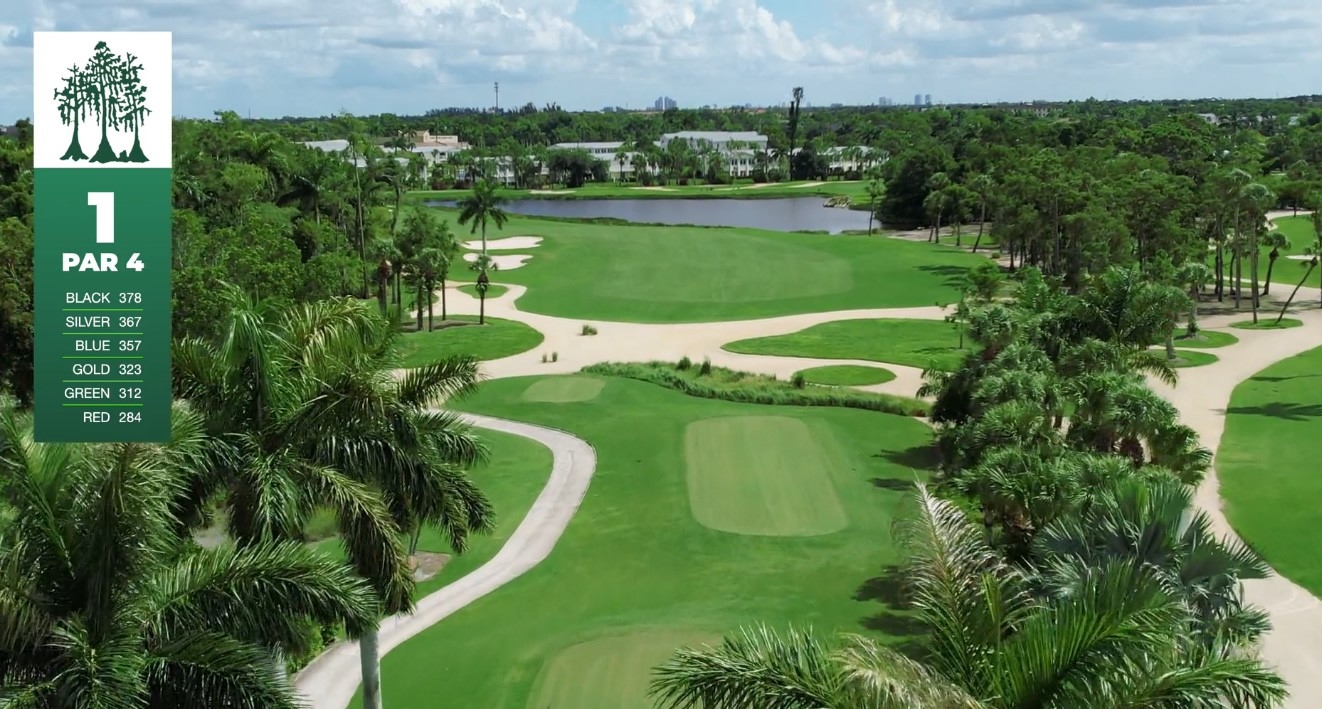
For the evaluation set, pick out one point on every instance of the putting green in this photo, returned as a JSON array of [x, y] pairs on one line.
[[609, 672], [763, 475], [564, 390]]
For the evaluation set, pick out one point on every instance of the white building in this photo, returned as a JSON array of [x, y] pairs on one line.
[[606, 152], [723, 141]]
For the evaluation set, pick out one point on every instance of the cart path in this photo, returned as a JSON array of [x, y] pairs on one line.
[[332, 679]]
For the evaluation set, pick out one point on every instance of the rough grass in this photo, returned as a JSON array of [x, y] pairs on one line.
[[915, 343], [1269, 472], [463, 336], [846, 375], [1206, 339], [633, 559], [666, 274], [763, 475], [1193, 358], [1267, 323], [494, 290], [732, 385]]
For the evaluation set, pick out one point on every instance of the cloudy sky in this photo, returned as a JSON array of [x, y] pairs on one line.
[[316, 57]]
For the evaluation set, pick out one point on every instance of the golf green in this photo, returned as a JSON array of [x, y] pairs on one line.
[[846, 375], [638, 273], [496, 339], [1268, 470], [635, 575], [563, 390], [915, 343]]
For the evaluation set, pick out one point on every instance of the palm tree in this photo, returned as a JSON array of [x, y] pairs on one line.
[[315, 419], [1277, 241], [483, 205], [105, 604], [1313, 251], [1119, 639], [982, 185]]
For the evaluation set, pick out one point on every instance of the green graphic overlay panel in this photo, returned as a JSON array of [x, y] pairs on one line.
[[102, 282]]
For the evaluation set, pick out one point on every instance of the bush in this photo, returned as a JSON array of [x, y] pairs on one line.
[[684, 363], [744, 387], [588, 330], [705, 369], [555, 356], [544, 358], [797, 381]]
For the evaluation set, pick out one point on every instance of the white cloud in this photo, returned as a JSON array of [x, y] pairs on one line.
[[319, 56]]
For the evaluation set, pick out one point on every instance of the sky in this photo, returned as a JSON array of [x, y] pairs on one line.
[[271, 58]]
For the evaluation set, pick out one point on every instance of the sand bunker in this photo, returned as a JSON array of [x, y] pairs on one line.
[[1300, 257], [509, 243], [654, 189], [809, 184], [505, 262], [551, 191]]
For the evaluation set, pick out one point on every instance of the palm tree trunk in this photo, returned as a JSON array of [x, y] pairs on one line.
[[1170, 342], [1253, 279], [481, 306], [936, 233], [1312, 264], [1271, 263], [369, 654], [444, 312], [982, 222]]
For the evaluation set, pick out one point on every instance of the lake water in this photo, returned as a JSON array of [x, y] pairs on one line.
[[788, 214]]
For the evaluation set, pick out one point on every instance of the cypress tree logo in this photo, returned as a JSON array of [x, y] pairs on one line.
[[104, 94]]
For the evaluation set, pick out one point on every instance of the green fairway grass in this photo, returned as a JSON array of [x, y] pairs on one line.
[[635, 576], [846, 375], [563, 390], [1266, 322], [498, 338], [493, 290], [915, 343], [1206, 339], [638, 273], [857, 190], [1268, 469], [1193, 358]]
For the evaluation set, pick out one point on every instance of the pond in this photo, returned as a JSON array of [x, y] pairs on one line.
[[781, 214]]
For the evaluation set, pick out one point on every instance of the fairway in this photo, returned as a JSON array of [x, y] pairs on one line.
[[634, 567], [915, 343], [494, 340], [1268, 470], [653, 274], [609, 672], [846, 375], [564, 390], [763, 475]]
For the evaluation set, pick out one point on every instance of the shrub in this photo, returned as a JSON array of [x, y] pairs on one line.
[[555, 356], [684, 363], [705, 369], [996, 255], [588, 330], [544, 359], [731, 385], [797, 381]]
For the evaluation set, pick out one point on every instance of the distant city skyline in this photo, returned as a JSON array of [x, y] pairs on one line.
[[306, 58]]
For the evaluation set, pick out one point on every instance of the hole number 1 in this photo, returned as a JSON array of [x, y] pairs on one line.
[[104, 203]]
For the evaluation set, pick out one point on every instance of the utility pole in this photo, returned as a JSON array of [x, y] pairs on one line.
[[497, 96]]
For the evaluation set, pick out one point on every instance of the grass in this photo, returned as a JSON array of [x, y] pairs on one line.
[[498, 338], [731, 385], [846, 375], [1267, 323], [1299, 230], [856, 189], [915, 343], [636, 575], [493, 290], [511, 479], [1267, 470], [1206, 339], [667, 274], [1193, 358]]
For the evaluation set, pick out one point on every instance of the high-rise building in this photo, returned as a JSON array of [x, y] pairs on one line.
[[917, 99], [664, 103], [927, 99]]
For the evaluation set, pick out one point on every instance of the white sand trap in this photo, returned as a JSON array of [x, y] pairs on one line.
[[653, 189], [809, 184], [551, 191], [509, 243], [758, 186], [1300, 257], [505, 262]]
